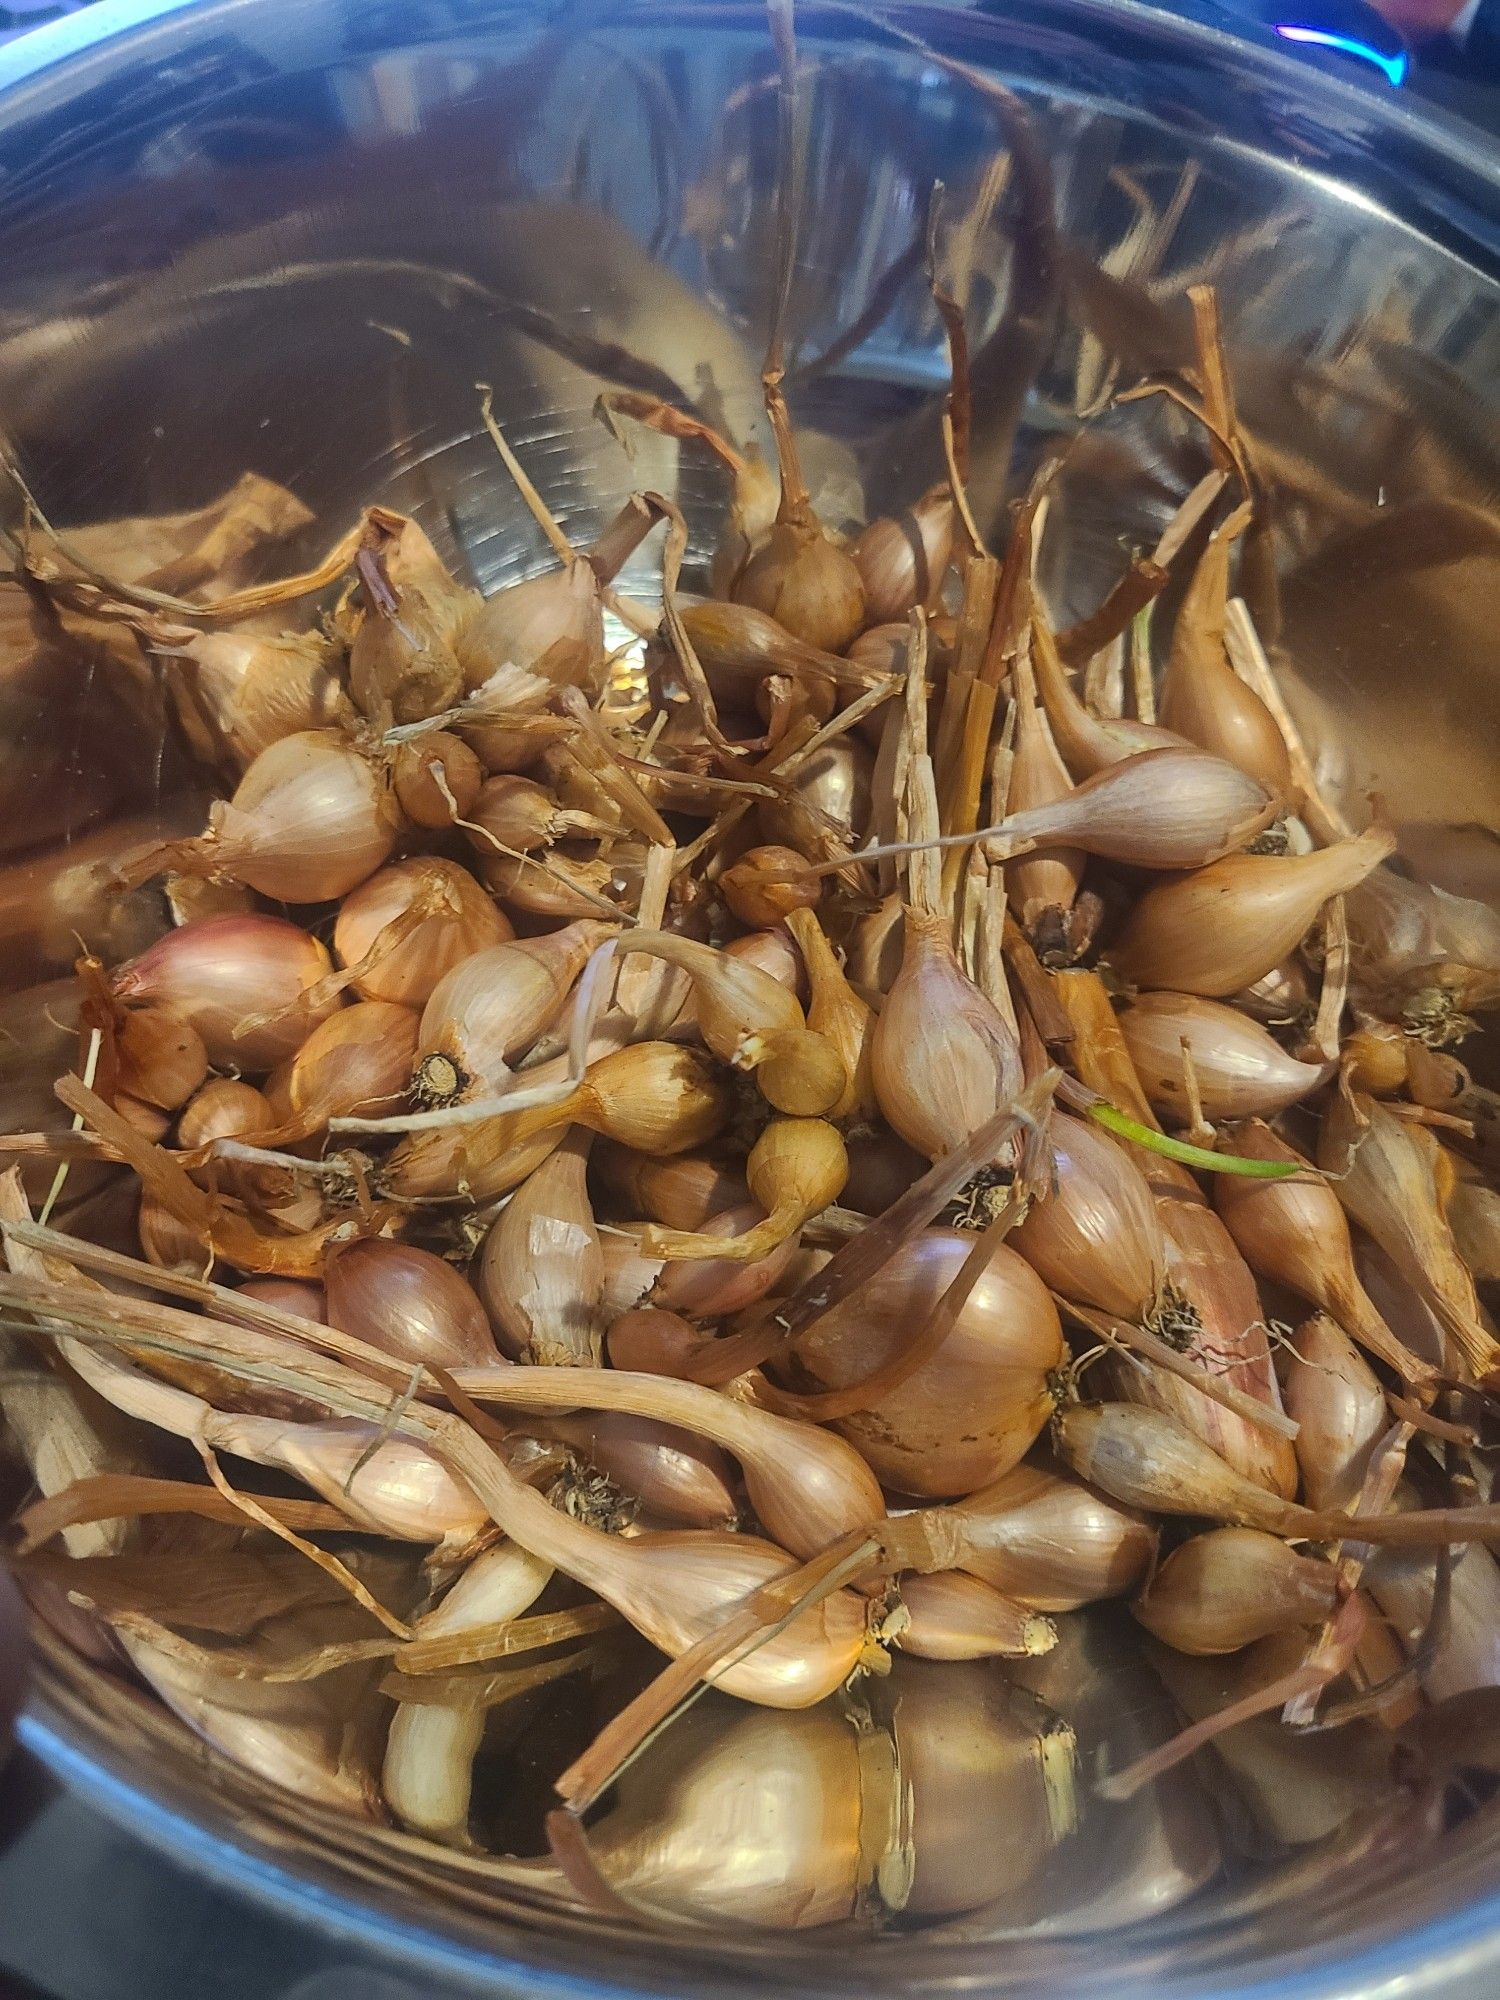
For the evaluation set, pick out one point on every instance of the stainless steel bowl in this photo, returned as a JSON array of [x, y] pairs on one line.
[[291, 236]]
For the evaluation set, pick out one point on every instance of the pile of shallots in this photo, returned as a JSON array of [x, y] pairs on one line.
[[857, 1122]]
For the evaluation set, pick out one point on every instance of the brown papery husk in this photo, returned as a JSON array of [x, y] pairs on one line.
[[1385, 1180], [1229, 1340], [967, 1415], [1294, 1232], [1404, 936], [1223, 1590], [1225, 926], [903, 559], [1147, 1459], [1051, 1542], [436, 778], [541, 1271]]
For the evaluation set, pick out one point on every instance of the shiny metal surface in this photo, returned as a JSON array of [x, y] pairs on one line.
[[290, 236]]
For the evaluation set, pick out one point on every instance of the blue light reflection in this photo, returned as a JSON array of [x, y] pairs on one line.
[[1392, 68]]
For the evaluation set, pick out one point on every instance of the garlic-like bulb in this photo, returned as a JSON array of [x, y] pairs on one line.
[[1227, 925], [409, 924], [953, 1616], [1240, 1070], [1340, 1410], [1040, 886], [551, 625], [837, 1012], [1168, 809], [757, 891], [811, 587], [407, 1302], [970, 1411], [240, 981], [237, 693]]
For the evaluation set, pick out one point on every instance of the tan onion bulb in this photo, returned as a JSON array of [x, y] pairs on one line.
[[224, 1109], [541, 1271], [969, 1412], [436, 779], [1051, 1542], [682, 1192], [493, 1005], [291, 1295], [518, 813], [806, 1485], [1340, 1410], [159, 1055], [571, 886], [750, 1020], [953, 1616], [240, 981], [828, 791], [1202, 697], [1218, 1592], [711, 1287], [1095, 1236], [650, 1341], [796, 1169], [356, 1065], [802, 579], [1241, 1071], [310, 819], [739, 647], [836, 1012], [676, 1477], [943, 1059], [1227, 925], [411, 923], [167, 1242], [240, 692], [1294, 1232], [1088, 742], [757, 891], [552, 625], [902, 559], [406, 1302]]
